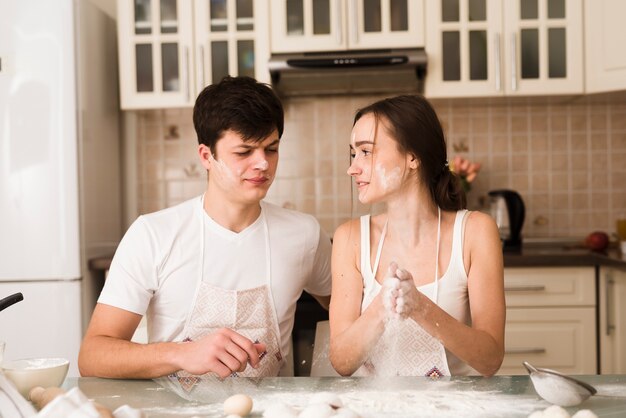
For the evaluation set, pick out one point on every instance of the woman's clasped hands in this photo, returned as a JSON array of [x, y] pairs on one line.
[[400, 296]]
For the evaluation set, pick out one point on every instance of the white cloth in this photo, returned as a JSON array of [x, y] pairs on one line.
[[156, 266], [452, 293]]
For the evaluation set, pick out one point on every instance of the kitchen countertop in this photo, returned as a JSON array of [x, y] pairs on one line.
[[100, 263], [562, 255], [499, 396], [531, 255]]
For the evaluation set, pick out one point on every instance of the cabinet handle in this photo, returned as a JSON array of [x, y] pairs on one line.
[[338, 28], [355, 22], [201, 55], [514, 62], [529, 350], [529, 288], [608, 291], [186, 72], [497, 58]]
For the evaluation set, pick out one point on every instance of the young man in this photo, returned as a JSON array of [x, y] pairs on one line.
[[217, 276]]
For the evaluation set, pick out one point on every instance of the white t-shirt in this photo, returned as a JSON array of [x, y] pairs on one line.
[[156, 268]]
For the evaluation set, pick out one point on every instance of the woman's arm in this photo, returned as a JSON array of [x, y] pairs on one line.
[[351, 334], [480, 345]]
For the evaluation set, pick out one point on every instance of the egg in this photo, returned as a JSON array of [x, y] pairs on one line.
[[239, 404], [555, 411], [584, 413], [346, 413], [318, 410]]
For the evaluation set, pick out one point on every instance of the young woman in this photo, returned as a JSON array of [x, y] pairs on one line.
[[441, 265]]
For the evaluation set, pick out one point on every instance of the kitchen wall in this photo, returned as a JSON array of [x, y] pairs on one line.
[[566, 157]]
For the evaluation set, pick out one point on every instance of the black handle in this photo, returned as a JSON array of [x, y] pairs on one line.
[[10, 300], [347, 61]]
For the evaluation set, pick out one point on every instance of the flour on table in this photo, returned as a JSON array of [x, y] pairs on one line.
[[375, 397], [326, 398], [439, 402], [555, 411]]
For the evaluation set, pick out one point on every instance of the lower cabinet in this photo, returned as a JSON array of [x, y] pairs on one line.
[[612, 312], [555, 338], [551, 319]]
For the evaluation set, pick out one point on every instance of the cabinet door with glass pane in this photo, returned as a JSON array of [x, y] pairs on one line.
[[544, 44], [504, 47], [231, 38], [155, 53], [385, 24], [308, 25], [464, 46]]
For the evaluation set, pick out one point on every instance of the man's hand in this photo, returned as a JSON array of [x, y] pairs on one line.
[[223, 352]]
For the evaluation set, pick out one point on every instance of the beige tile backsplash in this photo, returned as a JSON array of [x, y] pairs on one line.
[[566, 158]]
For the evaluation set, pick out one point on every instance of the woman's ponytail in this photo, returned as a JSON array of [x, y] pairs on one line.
[[447, 191]]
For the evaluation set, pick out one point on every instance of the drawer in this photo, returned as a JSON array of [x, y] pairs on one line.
[[550, 286], [562, 339]]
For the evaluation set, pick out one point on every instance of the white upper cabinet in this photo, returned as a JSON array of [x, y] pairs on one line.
[[231, 38], [605, 41], [155, 42], [504, 47], [334, 25], [170, 49]]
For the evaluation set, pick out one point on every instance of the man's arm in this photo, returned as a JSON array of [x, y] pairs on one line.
[[321, 271], [107, 351]]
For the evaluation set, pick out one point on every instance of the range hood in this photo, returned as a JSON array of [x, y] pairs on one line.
[[349, 72]]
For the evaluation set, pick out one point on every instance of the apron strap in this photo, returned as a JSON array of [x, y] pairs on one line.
[[436, 287], [380, 248]]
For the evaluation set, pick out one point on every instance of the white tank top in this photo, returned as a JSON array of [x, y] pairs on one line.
[[452, 293]]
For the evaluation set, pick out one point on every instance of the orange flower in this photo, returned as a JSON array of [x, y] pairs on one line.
[[465, 169]]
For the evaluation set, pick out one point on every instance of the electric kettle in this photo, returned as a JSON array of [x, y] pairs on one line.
[[508, 210]]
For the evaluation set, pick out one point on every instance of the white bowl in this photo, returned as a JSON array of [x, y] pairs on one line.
[[28, 373]]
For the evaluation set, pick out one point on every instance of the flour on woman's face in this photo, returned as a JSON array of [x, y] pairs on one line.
[[388, 180]]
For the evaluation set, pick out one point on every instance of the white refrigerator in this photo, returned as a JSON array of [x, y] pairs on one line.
[[53, 133]]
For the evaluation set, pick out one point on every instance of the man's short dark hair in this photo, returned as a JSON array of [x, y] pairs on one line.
[[240, 104]]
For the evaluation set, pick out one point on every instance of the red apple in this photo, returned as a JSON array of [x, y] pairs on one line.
[[597, 241]]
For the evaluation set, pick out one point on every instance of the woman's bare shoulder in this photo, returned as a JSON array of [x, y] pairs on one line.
[[482, 237], [479, 219], [348, 231], [480, 226]]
